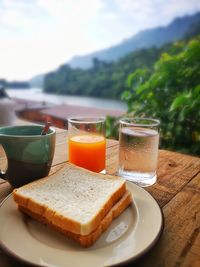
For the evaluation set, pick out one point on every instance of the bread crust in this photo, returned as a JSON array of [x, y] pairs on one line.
[[87, 240], [57, 219]]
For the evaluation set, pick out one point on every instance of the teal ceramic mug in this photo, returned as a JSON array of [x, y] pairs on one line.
[[29, 154]]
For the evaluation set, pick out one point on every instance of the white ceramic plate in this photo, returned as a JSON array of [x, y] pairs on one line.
[[129, 236]]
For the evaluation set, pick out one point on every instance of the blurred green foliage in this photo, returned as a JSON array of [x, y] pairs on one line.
[[105, 80], [170, 92]]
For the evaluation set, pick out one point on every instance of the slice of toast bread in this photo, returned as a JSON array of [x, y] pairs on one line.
[[73, 199], [88, 240]]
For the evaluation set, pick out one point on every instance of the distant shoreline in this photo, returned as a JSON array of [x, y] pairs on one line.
[[36, 94]]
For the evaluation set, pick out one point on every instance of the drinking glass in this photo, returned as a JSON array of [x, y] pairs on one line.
[[138, 150], [87, 143]]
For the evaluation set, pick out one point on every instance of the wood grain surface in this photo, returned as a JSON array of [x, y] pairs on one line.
[[177, 192]]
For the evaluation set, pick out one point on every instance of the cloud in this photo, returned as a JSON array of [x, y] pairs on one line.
[[20, 17], [39, 35]]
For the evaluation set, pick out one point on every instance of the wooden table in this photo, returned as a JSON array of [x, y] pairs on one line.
[[177, 191]]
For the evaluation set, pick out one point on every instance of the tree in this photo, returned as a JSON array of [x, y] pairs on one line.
[[171, 92]]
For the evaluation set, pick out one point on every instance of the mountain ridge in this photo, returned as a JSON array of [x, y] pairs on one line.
[[155, 37], [143, 39]]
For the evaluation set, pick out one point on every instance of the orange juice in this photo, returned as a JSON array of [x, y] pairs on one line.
[[88, 151]]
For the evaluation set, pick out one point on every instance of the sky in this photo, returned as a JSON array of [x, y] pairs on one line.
[[36, 36]]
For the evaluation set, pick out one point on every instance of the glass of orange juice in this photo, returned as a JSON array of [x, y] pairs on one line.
[[87, 143]]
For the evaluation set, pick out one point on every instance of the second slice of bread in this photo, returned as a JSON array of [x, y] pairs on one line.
[[88, 240], [73, 199]]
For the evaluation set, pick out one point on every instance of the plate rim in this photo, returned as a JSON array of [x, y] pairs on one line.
[[132, 259]]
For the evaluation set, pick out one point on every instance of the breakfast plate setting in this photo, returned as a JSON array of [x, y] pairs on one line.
[[128, 237]]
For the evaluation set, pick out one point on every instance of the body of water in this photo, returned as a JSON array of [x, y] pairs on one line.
[[38, 95]]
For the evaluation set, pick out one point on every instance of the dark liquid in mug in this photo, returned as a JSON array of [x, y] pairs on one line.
[[20, 173]]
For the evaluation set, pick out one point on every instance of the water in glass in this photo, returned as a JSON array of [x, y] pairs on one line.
[[138, 154]]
